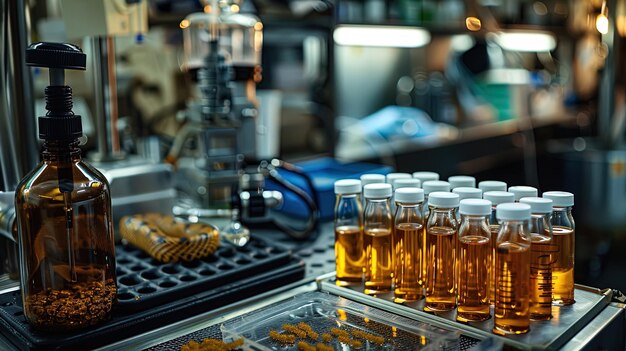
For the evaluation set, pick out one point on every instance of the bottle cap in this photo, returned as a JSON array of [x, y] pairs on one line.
[[462, 181], [406, 183], [492, 185], [538, 204], [412, 195], [435, 185], [513, 211], [443, 199], [425, 176], [468, 193], [521, 191], [391, 177], [377, 191], [560, 198], [499, 197], [372, 178], [475, 207], [348, 186]]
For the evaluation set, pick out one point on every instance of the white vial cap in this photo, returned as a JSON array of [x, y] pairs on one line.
[[475, 207], [443, 199], [465, 192], [435, 185], [499, 197], [377, 191], [372, 178], [348, 186], [406, 183], [426, 176], [411, 195], [391, 177], [521, 191], [538, 204], [462, 181], [513, 211], [560, 198], [492, 185]]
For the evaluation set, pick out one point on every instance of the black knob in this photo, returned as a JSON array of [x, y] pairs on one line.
[[56, 55]]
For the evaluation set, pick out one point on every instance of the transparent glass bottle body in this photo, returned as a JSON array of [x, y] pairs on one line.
[[441, 259], [475, 254], [240, 38], [564, 229], [409, 252], [348, 239], [542, 252], [67, 249], [494, 228], [512, 278], [378, 244]]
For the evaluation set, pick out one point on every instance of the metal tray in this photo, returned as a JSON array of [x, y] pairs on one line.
[[543, 335]]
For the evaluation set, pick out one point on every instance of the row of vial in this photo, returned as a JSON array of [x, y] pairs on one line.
[[467, 249]]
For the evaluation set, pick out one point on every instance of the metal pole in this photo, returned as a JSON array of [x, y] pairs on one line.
[[19, 88], [606, 100], [100, 81]]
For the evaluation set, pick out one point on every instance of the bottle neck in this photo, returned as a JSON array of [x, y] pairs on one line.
[[474, 219], [61, 151]]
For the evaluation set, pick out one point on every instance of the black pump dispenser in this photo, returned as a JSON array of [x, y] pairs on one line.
[[60, 123]]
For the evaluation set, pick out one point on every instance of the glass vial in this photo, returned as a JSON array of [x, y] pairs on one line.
[[348, 232], [425, 176], [441, 252], [512, 269], [541, 256], [429, 186], [378, 239], [521, 191], [474, 260], [459, 181], [563, 229], [496, 198], [408, 236], [491, 185], [370, 178]]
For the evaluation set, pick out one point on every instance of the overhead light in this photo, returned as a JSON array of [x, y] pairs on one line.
[[525, 41], [602, 24], [381, 36]]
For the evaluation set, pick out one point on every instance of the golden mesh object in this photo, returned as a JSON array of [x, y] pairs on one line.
[[168, 239]]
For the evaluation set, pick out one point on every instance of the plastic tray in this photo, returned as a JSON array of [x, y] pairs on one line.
[[322, 312], [165, 305], [144, 282]]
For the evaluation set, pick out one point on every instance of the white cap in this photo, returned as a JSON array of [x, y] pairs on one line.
[[348, 186], [513, 211], [372, 178], [406, 183], [475, 207], [435, 185], [443, 199], [393, 176], [499, 197], [521, 191], [412, 195], [560, 198], [468, 193], [492, 185], [462, 181], [377, 191], [426, 176], [538, 204]]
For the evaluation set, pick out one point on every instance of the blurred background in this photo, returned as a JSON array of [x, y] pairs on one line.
[[528, 92]]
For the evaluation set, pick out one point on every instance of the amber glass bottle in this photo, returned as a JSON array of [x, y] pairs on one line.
[[67, 252]]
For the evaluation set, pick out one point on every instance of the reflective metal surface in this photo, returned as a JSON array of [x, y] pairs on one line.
[[552, 334], [605, 332]]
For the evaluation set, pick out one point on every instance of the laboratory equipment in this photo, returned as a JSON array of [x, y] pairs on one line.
[[348, 232], [378, 239], [408, 249]]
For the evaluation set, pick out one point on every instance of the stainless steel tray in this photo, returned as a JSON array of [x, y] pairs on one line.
[[543, 335]]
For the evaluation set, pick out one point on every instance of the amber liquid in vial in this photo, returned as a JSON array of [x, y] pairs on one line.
[[474, 256], [541, 251], [408, 262], [494, 229], [441, 253], [563, 266], [512, 289], [378, 247], [348, 255]]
